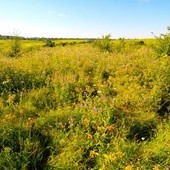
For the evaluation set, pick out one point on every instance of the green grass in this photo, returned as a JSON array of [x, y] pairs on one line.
[[76, 107]]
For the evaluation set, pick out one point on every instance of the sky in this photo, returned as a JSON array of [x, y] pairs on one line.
[[84, 18]]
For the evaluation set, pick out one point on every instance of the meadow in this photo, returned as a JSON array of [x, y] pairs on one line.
[[95, 105]]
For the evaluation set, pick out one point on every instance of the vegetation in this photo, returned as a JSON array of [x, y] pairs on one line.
[[50, 43], [15, 46], [76, 106], [104, 43], [163, 47]]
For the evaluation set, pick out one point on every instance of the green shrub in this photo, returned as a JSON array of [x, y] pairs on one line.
[[64, 43], [15, 49], [140, 43], [50, 43], [163, 47], [104, 44]]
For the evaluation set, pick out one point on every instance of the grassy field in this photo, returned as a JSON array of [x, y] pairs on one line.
[[76, 106]]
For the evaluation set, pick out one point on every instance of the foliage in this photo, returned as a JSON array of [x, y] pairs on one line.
[[104, 44], [163, 47], [79, 108], [15, 46], [50, 43]]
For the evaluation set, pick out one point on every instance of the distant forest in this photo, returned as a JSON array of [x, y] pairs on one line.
[[5, 37]]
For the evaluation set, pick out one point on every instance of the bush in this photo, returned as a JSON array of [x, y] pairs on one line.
[[140, 43], [104, 43], [50, 43], [163, 47], [15, 46]]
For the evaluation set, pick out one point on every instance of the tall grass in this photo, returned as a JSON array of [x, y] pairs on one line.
[[77, 107]]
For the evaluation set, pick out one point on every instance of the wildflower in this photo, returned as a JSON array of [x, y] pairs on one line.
[[99, 92], [6, 82], [143, 138], [70, 120], [93, 154], [128, 167], [89, 136], [11, 99]]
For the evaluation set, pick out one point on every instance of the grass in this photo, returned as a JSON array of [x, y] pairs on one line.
[[76, 107]]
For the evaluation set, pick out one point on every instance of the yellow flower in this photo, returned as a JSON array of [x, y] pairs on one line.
[[129, 167], [93, 154], [11, 99]]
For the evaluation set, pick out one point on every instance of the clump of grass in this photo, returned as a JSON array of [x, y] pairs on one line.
[[24, 148]]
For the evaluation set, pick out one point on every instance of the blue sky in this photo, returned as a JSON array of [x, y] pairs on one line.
[[84, 18]]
